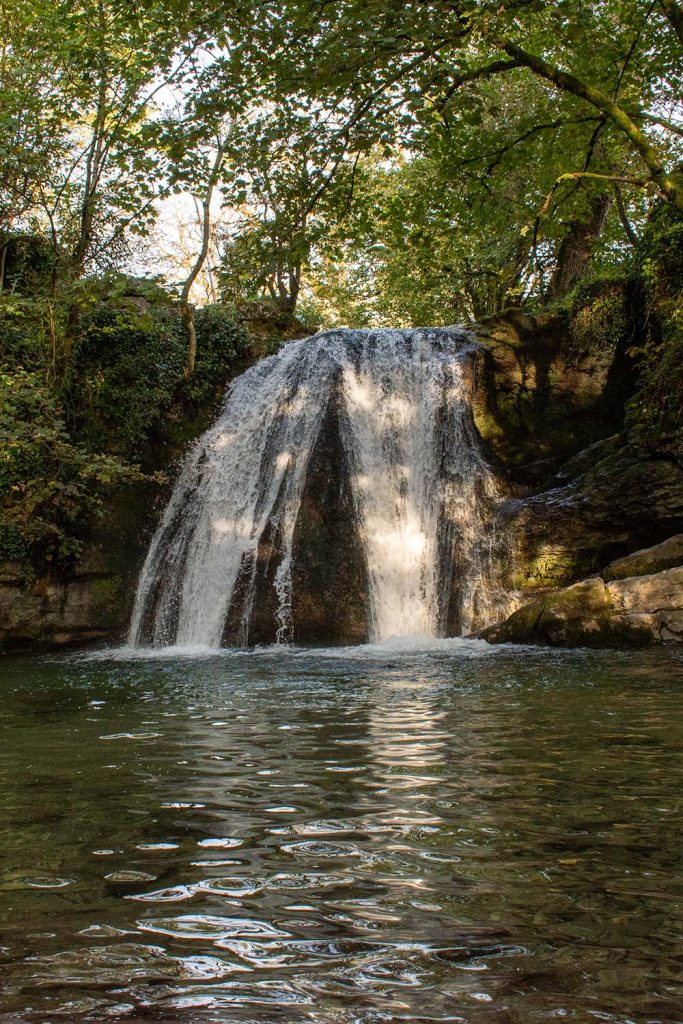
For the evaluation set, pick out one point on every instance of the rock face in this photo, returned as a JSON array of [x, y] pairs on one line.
[[540, 396], [613, 498], [329, 577], [93, 603], [632, 612], [45, 614]]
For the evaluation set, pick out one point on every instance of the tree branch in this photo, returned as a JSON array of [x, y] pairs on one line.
[[674, 15], [623, 216], [669, 186]]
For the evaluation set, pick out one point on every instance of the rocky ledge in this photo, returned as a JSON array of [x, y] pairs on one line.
[[636, 601]]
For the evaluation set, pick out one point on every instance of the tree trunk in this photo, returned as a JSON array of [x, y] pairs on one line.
[[674, 13], [96, 158], [186, 309], [4, 245], [576, 248]]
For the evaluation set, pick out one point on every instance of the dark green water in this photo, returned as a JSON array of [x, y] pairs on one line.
[[459, 834]]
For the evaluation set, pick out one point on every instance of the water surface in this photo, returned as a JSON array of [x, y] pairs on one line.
[[448, 833]]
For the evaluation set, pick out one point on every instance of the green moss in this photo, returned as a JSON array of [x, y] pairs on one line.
[[547, 570], [583, 615], [109, 602], [600, 315]]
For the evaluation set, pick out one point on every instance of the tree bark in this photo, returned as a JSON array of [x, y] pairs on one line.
[[576, 248], [186, 309]]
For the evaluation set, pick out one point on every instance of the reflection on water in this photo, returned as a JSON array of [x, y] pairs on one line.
[[361, 835]]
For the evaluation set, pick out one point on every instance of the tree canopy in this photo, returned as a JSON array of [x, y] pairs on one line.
[[435, 159]]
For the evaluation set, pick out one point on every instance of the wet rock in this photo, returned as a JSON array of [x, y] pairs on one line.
[[329, 577], [329, 574]]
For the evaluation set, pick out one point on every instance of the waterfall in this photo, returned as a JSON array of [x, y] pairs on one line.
[[422, 491]]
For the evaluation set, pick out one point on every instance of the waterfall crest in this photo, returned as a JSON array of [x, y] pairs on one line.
[[422, 491]]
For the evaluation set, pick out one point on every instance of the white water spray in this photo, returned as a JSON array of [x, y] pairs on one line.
[[422, 491]]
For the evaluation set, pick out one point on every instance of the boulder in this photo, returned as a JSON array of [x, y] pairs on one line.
[[633, 612], [662, 556]]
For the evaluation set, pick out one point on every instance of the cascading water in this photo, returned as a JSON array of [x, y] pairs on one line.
[[421, 490]]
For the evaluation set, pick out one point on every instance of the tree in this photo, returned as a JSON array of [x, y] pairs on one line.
[[96, 69], [34, 116], [186, 309], [481, 214], [292, 178], [619, 60]]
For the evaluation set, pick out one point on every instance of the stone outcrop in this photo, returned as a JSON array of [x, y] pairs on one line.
[[541, 396], [617, 496], [92, 604], [630, 612], [45, 614], [656, 559]]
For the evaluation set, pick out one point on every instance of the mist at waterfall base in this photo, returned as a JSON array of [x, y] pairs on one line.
[[419, 512]]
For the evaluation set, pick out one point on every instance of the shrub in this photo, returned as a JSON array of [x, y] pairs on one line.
[[601, 314], [220, 341], [658, 402], [49, 487], [123, 368]]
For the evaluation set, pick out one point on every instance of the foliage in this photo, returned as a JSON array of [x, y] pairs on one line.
[[291, 182], [29, 264], [658, 402], [126, 370], [222, 341], [77, 413], [81, 160], [124, 366], [601, 314], [48, 484]]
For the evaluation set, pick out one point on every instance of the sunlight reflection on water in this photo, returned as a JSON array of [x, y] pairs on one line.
[[403, 832]]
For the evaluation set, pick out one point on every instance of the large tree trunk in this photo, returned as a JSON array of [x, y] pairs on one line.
[[576, 248]]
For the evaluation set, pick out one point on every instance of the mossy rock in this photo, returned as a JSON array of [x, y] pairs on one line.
[[636, 612], [666, 555]]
